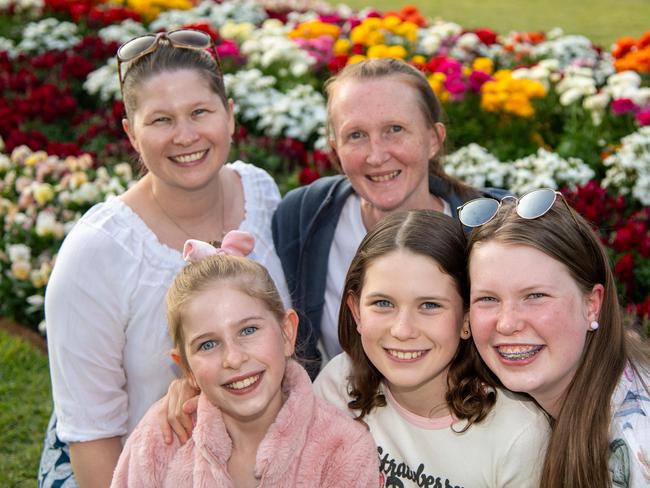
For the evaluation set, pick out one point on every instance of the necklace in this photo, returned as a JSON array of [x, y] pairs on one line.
[[188, 235]]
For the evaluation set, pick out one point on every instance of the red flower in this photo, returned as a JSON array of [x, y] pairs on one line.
[[337, 63], [624, 268], [308, 175], [487, 36]]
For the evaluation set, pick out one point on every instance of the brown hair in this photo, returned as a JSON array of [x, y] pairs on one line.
[[429, 104], [441, 238], [168, 58], [577, 454], [244, 274]]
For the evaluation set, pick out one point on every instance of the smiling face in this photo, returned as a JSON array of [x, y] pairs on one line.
[[237, 352], [181, 129], [383, 141], [409, 316], [529, 319]]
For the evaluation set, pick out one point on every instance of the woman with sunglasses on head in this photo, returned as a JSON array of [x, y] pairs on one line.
[[105, 313], [545, 318], [385, 129]]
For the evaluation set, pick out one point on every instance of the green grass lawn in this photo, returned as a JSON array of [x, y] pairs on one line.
[[602, 21], [25, 406]]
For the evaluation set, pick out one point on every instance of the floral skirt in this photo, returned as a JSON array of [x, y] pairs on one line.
[[55, 470]]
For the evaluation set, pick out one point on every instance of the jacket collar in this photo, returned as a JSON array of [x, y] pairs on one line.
[[284, 439]]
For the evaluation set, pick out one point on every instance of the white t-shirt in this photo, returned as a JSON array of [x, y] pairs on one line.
[[350, 231], [505, 450], [106, 326]]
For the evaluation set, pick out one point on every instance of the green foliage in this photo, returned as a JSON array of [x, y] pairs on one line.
[[25, 406]]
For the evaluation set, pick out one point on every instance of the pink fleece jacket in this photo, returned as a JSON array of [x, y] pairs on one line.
[[310, 444]]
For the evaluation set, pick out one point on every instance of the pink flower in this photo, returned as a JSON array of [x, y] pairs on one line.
[[477, 78], [623, 105], [643, 116]]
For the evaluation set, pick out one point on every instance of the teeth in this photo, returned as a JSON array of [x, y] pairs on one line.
[[189, 158], [405, 354], [518, 353], [245, 383], [379, 179]]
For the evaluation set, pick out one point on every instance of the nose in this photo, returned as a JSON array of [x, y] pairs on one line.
[[233, 356], [185, 133], [403, 328], [377, 154], [509, 320]]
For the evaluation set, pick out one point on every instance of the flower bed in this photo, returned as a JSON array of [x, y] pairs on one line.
[[524, 110]]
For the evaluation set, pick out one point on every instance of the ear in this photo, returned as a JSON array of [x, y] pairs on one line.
[[594, 302], [176, 357], [231, 116], [290, 331], [353, 304], [129, 132], [438, 133], [465, 330]]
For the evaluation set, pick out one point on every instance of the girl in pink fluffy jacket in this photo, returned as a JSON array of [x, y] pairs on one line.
[[258, 423]]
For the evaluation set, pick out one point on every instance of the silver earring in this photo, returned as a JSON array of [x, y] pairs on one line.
[[594, 325]]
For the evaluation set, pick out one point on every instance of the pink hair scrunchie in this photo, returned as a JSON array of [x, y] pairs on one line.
[[235, 243]]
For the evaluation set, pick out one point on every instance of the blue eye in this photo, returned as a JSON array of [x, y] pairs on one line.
[[355, 135], [430, 305], [246, 331], [207, 345], [396, 128], [382, 303]]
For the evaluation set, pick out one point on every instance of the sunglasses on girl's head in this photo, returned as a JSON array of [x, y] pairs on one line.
[[142, 45], [531, 205]]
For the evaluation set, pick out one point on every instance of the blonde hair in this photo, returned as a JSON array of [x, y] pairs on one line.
[[243, 274]]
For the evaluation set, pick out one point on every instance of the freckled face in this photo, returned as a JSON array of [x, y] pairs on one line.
[[409, 316], [237, 351], [529, 319], [181, 129], [383, 141]]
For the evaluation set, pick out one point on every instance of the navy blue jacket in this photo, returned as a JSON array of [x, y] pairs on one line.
[[303, 230]]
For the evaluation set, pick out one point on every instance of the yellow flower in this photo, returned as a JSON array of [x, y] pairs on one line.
[[378, 51], [21, 270], [390, 22], [436, 81], [408, 30], [374, 37], [419, 59], [77, 179], [314, 29], [239, 32], [483, 64], [43, 193], [398, 52], [356, 58], [35, 158], [359, 34], [37, 279], [372, 23], [342, 46]]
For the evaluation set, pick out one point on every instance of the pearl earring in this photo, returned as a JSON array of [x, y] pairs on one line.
[[594, 325]]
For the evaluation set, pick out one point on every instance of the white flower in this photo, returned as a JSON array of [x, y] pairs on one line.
[[47, 225], [48, 35], [19, 252], [122, 32], [629, 168], [104, 82]]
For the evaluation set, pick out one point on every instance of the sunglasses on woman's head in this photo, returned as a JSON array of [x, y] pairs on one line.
[[142, 45], [531, 205]]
